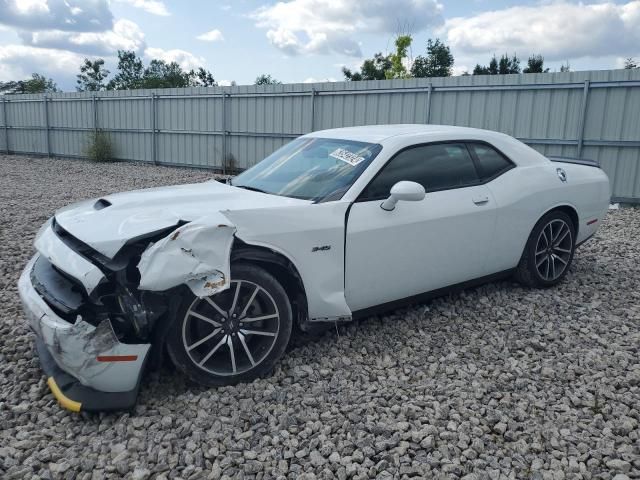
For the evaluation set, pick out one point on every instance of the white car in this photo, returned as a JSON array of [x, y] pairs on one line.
[[334, 225]]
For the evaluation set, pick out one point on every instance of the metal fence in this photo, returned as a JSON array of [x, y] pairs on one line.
[[586, 114]]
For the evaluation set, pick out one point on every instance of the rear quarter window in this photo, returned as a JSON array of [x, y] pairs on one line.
[[491, 162]]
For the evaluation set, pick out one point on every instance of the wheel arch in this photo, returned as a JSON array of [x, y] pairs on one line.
[[563, 207], [282, 268], [570, 211]]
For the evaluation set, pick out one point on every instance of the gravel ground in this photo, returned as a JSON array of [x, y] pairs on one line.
[[496, 382]]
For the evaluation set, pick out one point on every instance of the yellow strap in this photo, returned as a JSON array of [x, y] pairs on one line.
[[63, 400]]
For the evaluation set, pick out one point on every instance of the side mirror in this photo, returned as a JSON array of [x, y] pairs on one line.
[[407, 191]]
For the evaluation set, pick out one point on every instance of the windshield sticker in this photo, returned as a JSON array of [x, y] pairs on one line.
[[346, 156]]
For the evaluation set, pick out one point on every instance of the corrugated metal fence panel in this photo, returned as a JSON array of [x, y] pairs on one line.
[[235, 127], [26, 120], [70, 122]]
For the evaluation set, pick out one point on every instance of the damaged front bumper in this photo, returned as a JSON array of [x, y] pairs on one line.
[[87, 367]]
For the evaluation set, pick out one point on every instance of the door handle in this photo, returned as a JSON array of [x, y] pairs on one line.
[[481, 200]]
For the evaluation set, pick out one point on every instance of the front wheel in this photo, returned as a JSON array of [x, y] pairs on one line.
[[549, 251], [234, 336]]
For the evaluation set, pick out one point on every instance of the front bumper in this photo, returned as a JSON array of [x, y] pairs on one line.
[[88, 368]]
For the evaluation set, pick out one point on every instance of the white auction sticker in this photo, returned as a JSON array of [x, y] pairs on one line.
[[346, 156]]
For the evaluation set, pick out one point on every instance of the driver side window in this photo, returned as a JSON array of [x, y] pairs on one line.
[[438, 166]]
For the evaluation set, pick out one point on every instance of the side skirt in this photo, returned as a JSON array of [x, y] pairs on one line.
[[423, 297]]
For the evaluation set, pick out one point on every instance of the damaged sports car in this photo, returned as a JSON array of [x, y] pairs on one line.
[[335, 225]]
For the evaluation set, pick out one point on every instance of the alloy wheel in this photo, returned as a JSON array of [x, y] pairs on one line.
[[553, 249], [233, 331]]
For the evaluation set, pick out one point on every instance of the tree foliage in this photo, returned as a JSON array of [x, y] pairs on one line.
[[36, 84], [630, 63], [266, 79], [398, 58], [382, 67], [130, 72], [160, 74], [503, 66], [565, 67], [438, 62], [535, 64], [508, 65], [92, 76], [371, 69], [202, 78]]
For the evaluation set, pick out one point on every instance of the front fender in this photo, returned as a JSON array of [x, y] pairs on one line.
[[196, 254]]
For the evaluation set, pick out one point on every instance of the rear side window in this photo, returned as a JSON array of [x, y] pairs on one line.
[[491, 162], [436, 167]]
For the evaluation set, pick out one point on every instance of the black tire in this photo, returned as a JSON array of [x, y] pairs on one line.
[[533, 270], [254, 355]]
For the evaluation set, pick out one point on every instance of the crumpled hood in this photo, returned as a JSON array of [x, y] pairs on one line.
[[107, 223]]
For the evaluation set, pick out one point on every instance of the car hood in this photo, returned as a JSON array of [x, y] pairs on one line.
[[108, 223]]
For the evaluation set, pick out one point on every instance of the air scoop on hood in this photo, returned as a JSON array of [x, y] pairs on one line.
[[101, 203], [108, 223]]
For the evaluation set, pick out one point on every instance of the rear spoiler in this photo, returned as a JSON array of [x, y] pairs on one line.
[[578, 161]]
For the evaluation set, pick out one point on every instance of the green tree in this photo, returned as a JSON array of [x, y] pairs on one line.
[[565, 67], [535, 64], [630, 64], [160, 74], [266, 79], [92, 76], [398, 69], [480, 70], [36, 84], [493, 66], [130, 72], [371, 69], [40, 84], [499, 67], [508, 65], [201, 78], [492, 69], [437, 63]]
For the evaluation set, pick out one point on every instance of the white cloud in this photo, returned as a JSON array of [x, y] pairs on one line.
[[66, 15], [225, 83], [186, 60], [329, 26], [556, 30], [320, 80], [460, 69], [214, 35], [154, 7], [20, 61], [126, 35]]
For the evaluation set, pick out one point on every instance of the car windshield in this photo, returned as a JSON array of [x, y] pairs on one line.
[[310, 168]]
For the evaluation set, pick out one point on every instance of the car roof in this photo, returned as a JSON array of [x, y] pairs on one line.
[[379, 133]]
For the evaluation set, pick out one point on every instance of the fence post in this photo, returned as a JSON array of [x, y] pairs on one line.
[[428, 114], [94, 105], [6, 124], [583, 114], [224, 132], [313, 108], [154, 128], [46, 123]]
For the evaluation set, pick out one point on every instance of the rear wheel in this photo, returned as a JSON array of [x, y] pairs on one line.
[[236, 335], [549, 251]]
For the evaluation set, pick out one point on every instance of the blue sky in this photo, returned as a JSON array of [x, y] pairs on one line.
[[307, 40]]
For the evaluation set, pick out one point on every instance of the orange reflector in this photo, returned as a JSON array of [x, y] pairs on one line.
[[117, 358], [591, 222]]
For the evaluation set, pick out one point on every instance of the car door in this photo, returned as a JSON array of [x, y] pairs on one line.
[[423, 245]]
